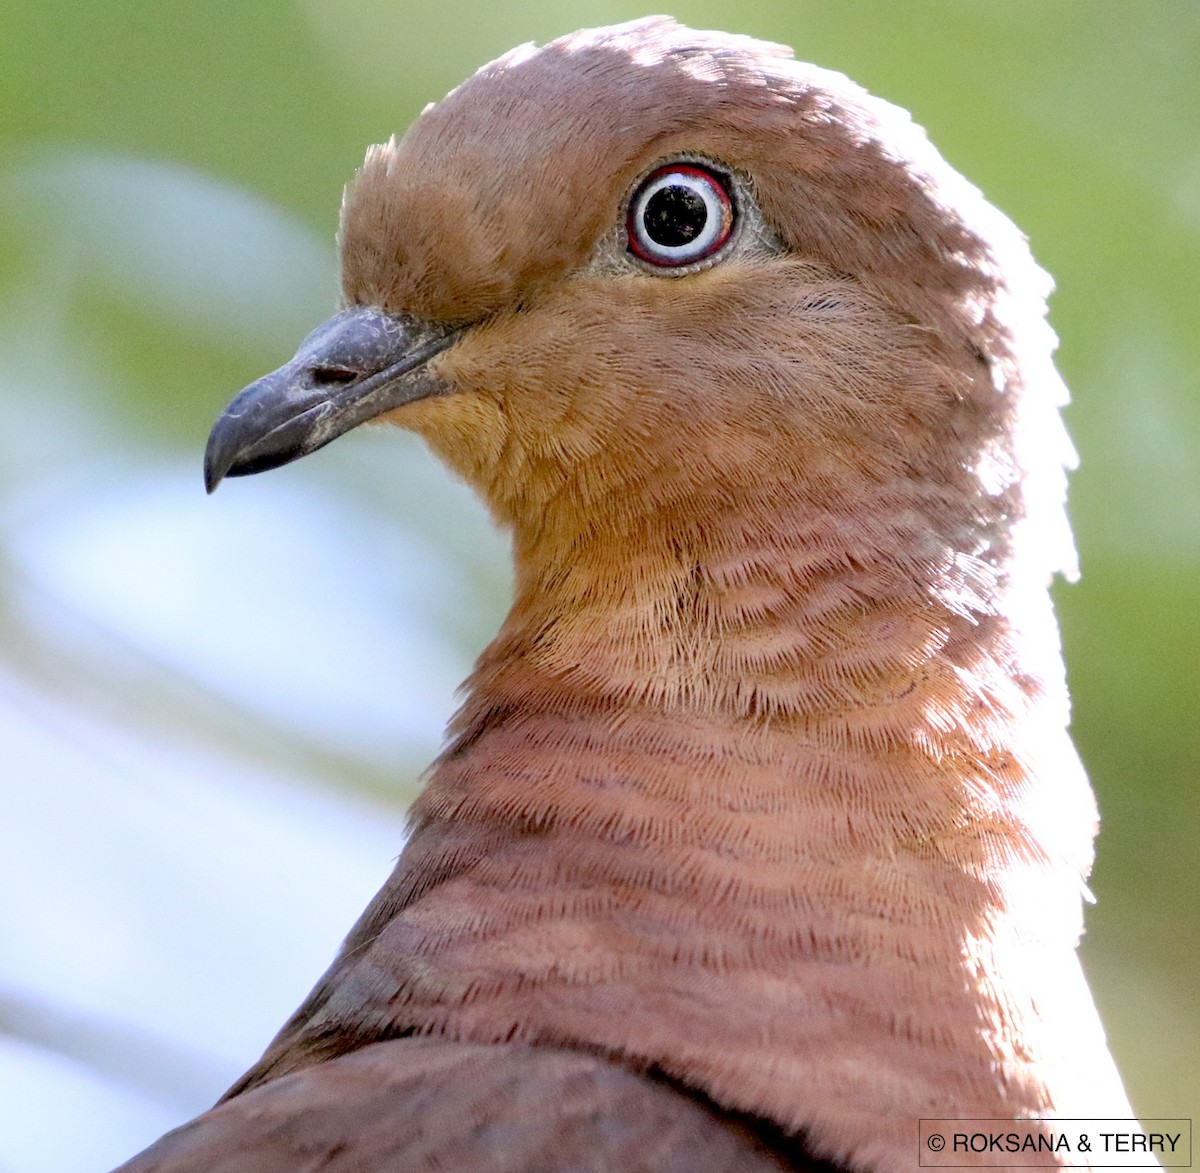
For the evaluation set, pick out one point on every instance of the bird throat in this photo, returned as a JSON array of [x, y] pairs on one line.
[[786, 822], [773, 825]]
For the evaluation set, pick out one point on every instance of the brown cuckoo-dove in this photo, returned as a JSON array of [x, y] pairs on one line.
[[759, 836]]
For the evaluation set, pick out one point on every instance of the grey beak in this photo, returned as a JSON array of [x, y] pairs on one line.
[[359, 364]]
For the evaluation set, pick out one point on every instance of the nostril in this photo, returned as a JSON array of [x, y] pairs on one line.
[[332, 376]]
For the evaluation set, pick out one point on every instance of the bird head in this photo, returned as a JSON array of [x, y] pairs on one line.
[[645, 277]]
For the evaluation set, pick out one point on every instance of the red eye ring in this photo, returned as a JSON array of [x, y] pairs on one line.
[[679, 214]]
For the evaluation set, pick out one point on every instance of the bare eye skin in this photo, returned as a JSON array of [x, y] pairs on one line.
[[680, 214]]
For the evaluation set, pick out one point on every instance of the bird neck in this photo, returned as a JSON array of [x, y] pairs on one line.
[[783, 815]]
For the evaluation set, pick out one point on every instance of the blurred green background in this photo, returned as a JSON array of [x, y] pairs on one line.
[[212, 712]]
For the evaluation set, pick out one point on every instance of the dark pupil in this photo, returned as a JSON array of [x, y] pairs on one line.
[[674, 216]]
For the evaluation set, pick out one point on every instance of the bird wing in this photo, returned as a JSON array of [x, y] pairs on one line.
[[422, 1104]]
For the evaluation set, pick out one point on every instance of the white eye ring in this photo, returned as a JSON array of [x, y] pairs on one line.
[[679, 214]]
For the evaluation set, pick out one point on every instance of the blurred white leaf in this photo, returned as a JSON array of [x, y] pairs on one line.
[[235, 268]]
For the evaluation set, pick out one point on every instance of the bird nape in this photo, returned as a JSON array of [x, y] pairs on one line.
[[759, 836]]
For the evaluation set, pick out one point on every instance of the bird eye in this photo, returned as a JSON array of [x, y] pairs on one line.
[[679, 214]]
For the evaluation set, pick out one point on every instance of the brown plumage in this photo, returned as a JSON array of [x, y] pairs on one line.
[[759, 829]]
